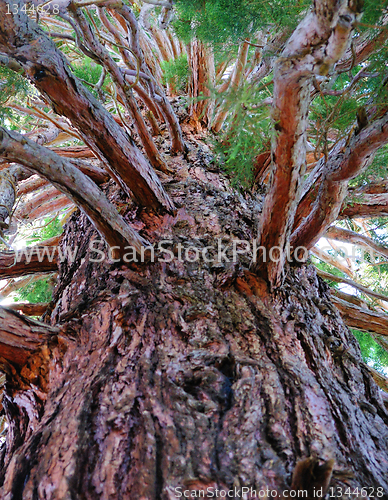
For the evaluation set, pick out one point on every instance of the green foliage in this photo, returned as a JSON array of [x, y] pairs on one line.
[[246, 132], [49, 228], [176, 72], [37, 291], [89, 72], [372, 353], [12, 85], [230, 21]]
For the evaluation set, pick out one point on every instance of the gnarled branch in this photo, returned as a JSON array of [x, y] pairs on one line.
[[46, 67]]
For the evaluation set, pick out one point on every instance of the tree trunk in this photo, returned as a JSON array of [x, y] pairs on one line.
[[190, 375]]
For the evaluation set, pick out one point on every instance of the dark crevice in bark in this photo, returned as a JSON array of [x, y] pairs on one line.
[[159, 480]]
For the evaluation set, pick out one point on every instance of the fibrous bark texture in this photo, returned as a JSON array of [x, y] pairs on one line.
[[192, 374]]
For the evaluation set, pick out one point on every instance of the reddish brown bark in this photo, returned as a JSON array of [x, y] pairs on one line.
[[20, 337], [28, 309], [340, 234], [202, 78], [51, 207]]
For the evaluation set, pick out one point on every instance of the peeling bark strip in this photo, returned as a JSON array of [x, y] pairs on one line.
[[319, 41], [21, 336], [77, 186], [23, 41]]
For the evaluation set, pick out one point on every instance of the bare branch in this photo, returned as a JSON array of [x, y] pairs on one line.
[[362, 319], [340, 234], [357, 286], [28, 309], [41, 259]]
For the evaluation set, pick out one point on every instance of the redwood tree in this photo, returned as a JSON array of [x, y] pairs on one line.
[[175, 356]]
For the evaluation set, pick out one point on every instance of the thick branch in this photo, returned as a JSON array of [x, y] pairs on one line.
[[21, 336], [301, 59], [346, 160], [70, 181], [48, 70], [37, 259], [362, 319]]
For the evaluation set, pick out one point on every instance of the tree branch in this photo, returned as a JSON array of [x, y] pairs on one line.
[[346, 160], [319, 41], [74, 184], [28, 309], [362, 319], [363, 289], [21, 336], [46, 67], [340, 234]]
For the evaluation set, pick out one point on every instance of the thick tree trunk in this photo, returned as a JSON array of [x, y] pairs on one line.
[[191, 375]]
